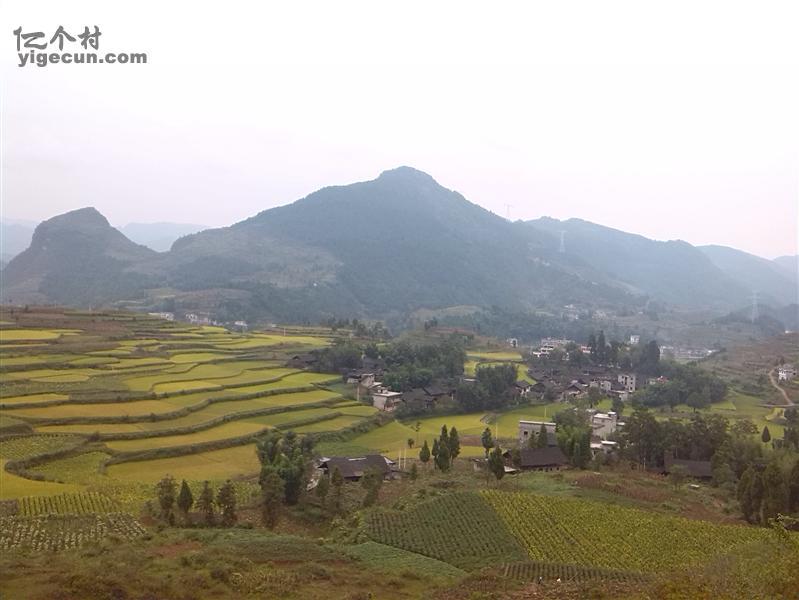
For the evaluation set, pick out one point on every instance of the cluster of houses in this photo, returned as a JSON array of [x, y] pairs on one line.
[[565, 383]]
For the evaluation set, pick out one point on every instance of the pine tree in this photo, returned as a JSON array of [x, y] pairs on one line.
[[756, 495], [272, 493], [436, 450], [414, 472], [424, 453], [166, 489], [775, 492], [496, 464], [206, 504], [323, 488], [541, 440], [766, 435], [443, 439], [487, 440], [226, 499], [744, 493], [793, 489], [454, 443], [372, 481], [443, 458], [337, 482], [185, 500]]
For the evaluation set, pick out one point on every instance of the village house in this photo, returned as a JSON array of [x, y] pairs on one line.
[[522, 388], [700, 469], [604, 424], [530, 429], [627, 381], [353, 468], [384, 399], [786, 372], [550, 458], [605, 447], [303, 361]]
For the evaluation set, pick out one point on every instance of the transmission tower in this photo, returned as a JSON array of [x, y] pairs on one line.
[[562, 248]]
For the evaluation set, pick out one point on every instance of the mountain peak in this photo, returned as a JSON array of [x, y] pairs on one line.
[[82, 217], [406, 174]]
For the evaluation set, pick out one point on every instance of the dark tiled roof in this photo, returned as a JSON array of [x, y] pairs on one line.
[[693, 468], [551, 456], [357, 466]]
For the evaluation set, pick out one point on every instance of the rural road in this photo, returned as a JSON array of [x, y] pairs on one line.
[[788, 401]]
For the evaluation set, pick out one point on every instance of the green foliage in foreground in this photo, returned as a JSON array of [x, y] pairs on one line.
[[396, 560]]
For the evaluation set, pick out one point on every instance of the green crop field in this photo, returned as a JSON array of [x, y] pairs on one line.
[[329, 424], [460, 529], [396, 560], [24, 446], [567, 530], [14, 486]]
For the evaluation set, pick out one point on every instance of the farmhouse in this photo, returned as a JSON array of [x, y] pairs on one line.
[[604, 424], [303, 361], [384, 399], [786, 372], [353, 468], [522, 388], [530, 429], [699, 469], [603, 447], [550, 458], [628, 381]]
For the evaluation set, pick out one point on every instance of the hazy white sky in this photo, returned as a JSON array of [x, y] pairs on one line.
[[673, 120]]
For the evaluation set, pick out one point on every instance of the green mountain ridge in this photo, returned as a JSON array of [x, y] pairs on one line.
[[382, 248]]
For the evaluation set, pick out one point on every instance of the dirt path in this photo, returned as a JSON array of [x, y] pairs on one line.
[[788, 401]]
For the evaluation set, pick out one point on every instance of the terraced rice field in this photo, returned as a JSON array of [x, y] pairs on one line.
[[197, 385], [215, 464]]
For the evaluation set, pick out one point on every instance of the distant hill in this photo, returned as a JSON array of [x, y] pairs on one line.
[[674, 272], [159, 236], [766, 277], [15, 236], [76, 258], [382, 248]]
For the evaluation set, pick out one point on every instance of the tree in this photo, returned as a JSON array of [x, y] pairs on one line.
[[775, 492], [206, 503], [618, 405], [372, 481], [487, 440], [677, 475], [443, 458], [337, 481], [424, 453], [166, 489], [436, 450], [744, 494], [793, 488], [541, 439], [410, 443], [414, 472], [454, 443], [226, 499], [765, 437], [323, 488], [185, 500], [272, 494], [496, 464]]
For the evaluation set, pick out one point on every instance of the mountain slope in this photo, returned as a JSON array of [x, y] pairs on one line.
[[75, 258], [393, 244], [673, 271], [761, 275]]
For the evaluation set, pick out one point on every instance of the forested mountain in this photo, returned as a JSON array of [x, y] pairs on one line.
[[380, 248]]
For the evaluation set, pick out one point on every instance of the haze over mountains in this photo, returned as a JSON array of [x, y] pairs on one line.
[[383, 248]]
